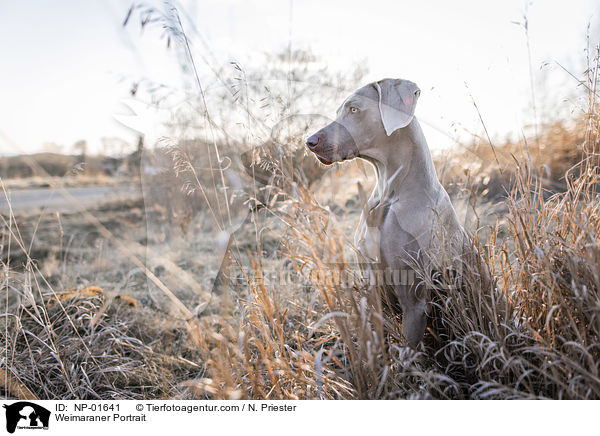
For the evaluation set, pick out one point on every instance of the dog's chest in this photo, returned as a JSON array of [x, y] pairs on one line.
[[368, 235], [382, 238]]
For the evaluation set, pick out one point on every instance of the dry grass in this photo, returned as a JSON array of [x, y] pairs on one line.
[[86, 345], [490, 171]]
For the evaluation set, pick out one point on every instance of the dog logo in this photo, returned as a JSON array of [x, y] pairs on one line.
[[26, 415]]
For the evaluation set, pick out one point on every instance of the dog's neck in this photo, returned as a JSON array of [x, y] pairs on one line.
[[404, 168]]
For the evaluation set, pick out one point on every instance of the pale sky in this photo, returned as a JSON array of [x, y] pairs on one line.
[[66, 65]]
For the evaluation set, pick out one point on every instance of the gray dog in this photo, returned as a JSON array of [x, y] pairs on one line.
[[409, 217]]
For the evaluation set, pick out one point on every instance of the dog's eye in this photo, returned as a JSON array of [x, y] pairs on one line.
[[353, 109]]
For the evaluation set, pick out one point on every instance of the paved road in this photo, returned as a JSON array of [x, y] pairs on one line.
[[31, 200]]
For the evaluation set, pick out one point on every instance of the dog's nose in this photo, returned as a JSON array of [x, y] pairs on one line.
[[313, 141]]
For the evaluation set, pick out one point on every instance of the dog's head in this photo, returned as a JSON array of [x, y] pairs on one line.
[[366, 118]]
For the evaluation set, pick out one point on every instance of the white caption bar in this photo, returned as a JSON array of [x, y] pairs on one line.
[[113, 418]]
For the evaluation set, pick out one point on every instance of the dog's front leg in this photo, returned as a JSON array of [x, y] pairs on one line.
[[414, 316], [414, 323]]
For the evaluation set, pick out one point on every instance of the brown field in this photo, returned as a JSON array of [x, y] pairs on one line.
[[121, 299], [83, 319]]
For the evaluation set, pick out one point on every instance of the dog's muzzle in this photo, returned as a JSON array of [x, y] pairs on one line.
[[333, 143]]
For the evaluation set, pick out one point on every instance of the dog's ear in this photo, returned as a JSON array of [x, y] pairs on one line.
[[397, 102]]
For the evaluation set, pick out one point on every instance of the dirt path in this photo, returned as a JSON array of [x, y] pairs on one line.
[[31, 200]]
